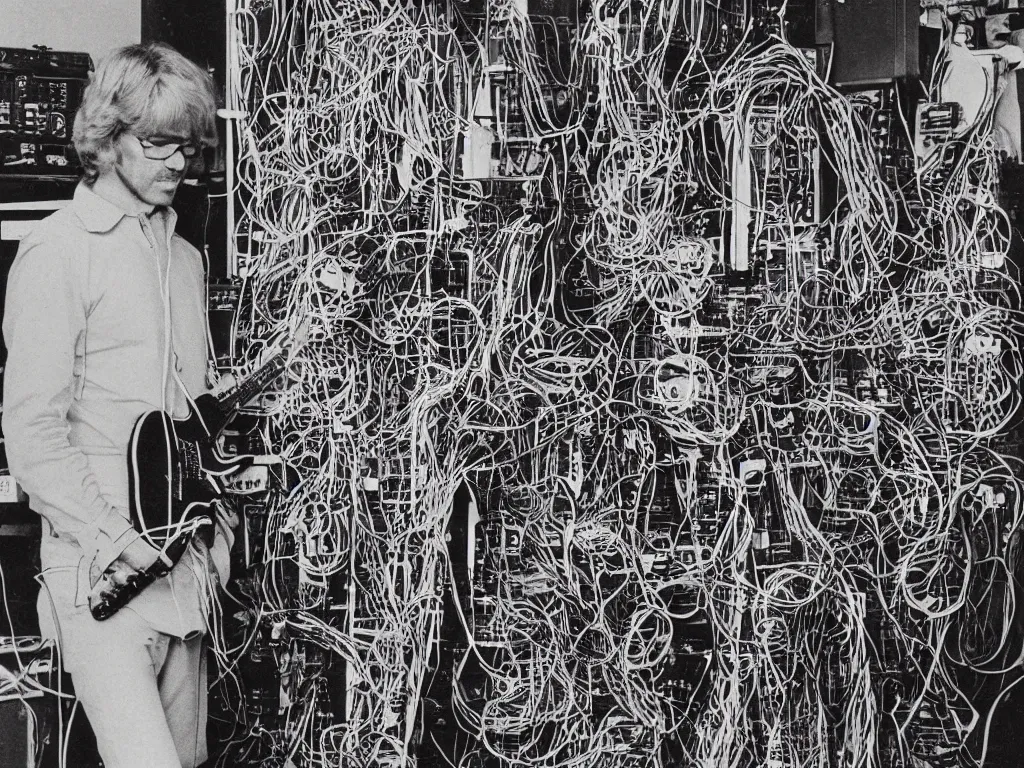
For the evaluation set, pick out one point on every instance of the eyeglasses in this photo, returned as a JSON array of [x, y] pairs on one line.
[[159, 149]]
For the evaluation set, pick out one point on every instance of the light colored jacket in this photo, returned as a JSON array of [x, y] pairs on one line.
[[102, 308]]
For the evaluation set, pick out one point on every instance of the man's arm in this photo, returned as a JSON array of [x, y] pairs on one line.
[[44, 321]]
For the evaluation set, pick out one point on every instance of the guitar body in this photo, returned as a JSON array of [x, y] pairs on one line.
[[174, 468]]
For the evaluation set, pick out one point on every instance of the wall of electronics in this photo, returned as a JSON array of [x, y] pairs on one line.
[[659, 404], [661, 396]]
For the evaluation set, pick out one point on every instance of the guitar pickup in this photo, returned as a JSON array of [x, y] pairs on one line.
[[251, 480], [257, 477]]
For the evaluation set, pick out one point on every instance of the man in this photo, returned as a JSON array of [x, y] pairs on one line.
[[105, 319]]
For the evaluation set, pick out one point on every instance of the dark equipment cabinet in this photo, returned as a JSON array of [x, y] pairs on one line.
[[40, 91], [871, 41]]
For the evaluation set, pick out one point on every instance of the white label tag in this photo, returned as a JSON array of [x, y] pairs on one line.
[[9, 490], [251, 480]]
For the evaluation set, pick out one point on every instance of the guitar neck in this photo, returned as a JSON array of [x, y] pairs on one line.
[[253, 384]]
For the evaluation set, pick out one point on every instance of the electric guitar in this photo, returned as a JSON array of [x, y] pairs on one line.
[[175, 476], [174, 465]]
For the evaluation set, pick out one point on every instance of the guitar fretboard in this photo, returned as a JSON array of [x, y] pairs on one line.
[[253, 383]]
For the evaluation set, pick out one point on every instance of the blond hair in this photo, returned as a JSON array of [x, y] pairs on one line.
[[148, 90]]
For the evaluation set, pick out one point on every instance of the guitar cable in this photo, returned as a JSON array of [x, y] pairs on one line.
[[179, 527]]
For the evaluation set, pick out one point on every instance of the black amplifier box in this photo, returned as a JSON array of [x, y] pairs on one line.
[[40, 91]]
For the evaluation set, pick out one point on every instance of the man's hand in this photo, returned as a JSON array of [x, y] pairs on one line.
[[138, 556], [119, 582], [118, 585], [135, 558], [116, 574]]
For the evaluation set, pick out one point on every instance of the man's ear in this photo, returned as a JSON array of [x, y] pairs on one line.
[[107, 157]]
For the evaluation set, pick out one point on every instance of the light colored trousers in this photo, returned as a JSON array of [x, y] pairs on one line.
[[144, 692]]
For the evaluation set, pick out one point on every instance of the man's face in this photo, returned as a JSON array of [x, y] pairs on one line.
[[149, 180]]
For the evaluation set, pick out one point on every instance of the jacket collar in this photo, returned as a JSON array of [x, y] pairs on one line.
[[100, 215]]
